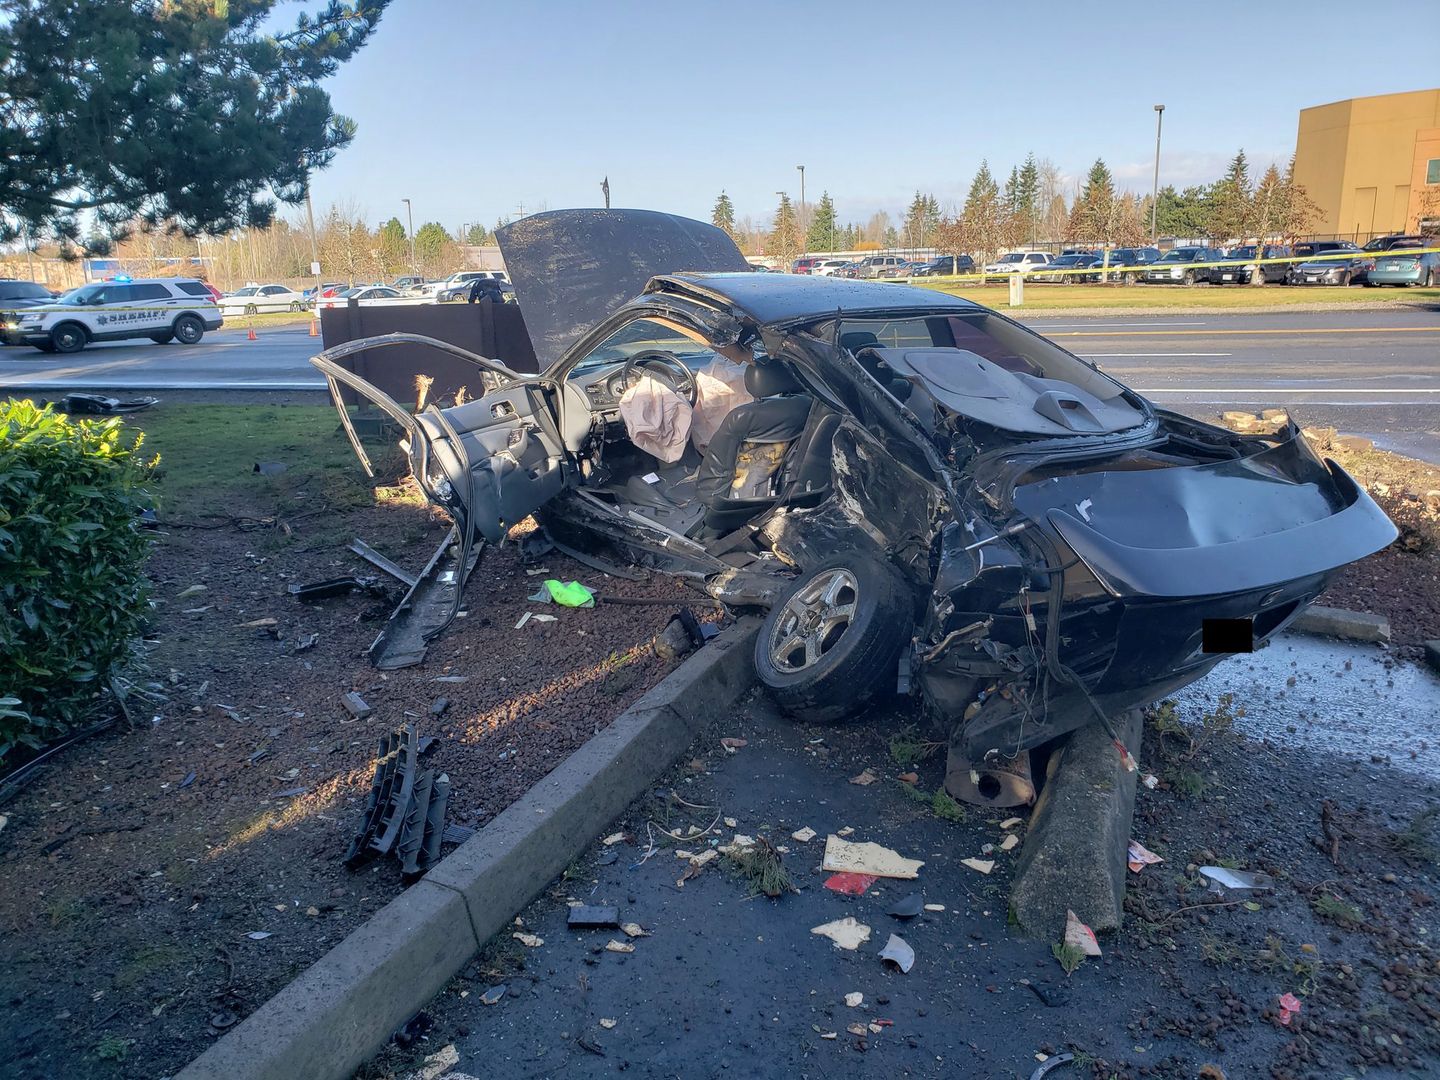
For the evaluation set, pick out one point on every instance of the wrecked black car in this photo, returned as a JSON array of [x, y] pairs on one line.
[[923, 493]]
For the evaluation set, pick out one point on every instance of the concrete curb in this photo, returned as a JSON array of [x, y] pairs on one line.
[[343, 1008], [1340, 623], [1075, 850]]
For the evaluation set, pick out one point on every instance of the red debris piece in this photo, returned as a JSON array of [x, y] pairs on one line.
[[850, 884]]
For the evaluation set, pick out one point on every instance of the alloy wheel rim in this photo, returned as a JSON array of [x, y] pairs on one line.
[[813, 620]]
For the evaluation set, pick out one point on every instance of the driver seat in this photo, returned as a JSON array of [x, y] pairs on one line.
[[741, 471]]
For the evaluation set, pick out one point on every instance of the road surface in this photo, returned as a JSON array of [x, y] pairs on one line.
[[1372, 373]]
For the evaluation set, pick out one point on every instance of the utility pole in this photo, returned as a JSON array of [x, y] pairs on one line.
[[1155, 186], [605, 187], [410, 223], [29, 255]]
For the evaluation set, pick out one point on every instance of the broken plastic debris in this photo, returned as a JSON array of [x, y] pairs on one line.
[[1080, 936], [855, 1000], [867, 858], [857, 1029], [983, 866], [1289, 1006], [634, 929], [607, 1023], [907, 907], [850, 884], [569, 593], [493, 995], [846, 933], [899, 953], [1150, 780], [258, 935], [619, 946], [1009, 842], [1237, 879], [804, 835], [543, 618], [866, 777], [1140, 857], [704, 857], [1011, 822], [732, 744], [829, 1034], [523, 620], [530, 941], [613, 838], [730, 823], [908, 778], [934, 907], [846, 831]]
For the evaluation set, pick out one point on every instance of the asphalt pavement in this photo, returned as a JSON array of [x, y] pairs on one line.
[[1371, 373]]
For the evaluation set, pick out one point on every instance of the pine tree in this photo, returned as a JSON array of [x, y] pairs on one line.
[[1231, 209], [1027, 190], [477, 235], [195, 114], [823, 236], [920, 221], [785, 236], [980, 218], [723, 216], [434, 249], [393, 247], [1092, 217]]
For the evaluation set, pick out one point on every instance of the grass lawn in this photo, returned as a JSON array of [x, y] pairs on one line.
[[208, 455], [1039, 297]]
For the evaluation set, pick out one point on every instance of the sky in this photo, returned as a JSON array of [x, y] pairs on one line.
[[478, 110]]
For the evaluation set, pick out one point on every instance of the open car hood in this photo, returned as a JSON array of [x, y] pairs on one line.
[[572, 268]]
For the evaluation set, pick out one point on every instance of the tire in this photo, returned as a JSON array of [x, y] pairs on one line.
[[295, 305], [829, 647], [251, 309], [162, 339], [1189, 278], [1430, 278], [1344, 279], [189, 330], [68, 338]]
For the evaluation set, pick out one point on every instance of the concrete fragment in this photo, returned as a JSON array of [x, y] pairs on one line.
[[843, 856], [1340, 623], [1074, 858], [355, 706]]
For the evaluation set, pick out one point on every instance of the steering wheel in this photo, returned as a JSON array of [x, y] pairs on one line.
[[668, 369]]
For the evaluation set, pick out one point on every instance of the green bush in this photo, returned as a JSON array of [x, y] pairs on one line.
[[72, 588]]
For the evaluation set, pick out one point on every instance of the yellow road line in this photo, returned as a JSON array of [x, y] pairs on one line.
[[1268, 330]]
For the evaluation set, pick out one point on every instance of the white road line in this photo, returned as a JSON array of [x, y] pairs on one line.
[[1146, 355], [1058, 326], [1293, 390]]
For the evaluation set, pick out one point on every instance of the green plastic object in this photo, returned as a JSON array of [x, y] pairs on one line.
[[570, 593]]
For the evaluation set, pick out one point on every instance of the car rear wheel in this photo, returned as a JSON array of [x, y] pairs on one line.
[[829, 646], [1344, 279], [296, 305], [1189, 278], [1430, 278], [67, 338], [189, 330]]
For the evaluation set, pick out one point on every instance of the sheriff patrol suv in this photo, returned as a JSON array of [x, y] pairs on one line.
[[162, 309]]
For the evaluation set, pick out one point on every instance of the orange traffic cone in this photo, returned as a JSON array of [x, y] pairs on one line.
[[314, 328], [251, 336]]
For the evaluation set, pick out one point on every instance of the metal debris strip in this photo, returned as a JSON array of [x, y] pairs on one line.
[[405, 813], [374, 558], [426, 609]]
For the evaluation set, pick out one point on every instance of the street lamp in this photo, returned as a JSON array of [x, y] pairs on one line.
[[802, 196], [410, 222], [1155, 186]]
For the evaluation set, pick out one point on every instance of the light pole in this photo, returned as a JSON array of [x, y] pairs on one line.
[[29, 255], [802, 196], [1155, 186], [410, 224]]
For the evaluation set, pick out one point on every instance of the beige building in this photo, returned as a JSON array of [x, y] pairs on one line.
[[1372, 164]]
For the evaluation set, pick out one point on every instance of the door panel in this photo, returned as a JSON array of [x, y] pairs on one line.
[[499, 456]]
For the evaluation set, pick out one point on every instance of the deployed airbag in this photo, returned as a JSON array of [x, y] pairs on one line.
[[656, 418], [719, 386]]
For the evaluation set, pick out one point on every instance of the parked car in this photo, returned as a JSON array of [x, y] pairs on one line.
[[1071, 264], [1309, 248], [1397, 266], [254, 299], [1335, 270], [871, 265], [1243, 273], [1401, 240], [946, 266], [827, 267], [1017, 262], [373, 296], [406, 282], [1173, 267], [1042, 546], [1130, 261], [161, 309], [903, 269], [457, 285], [805, 264]]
